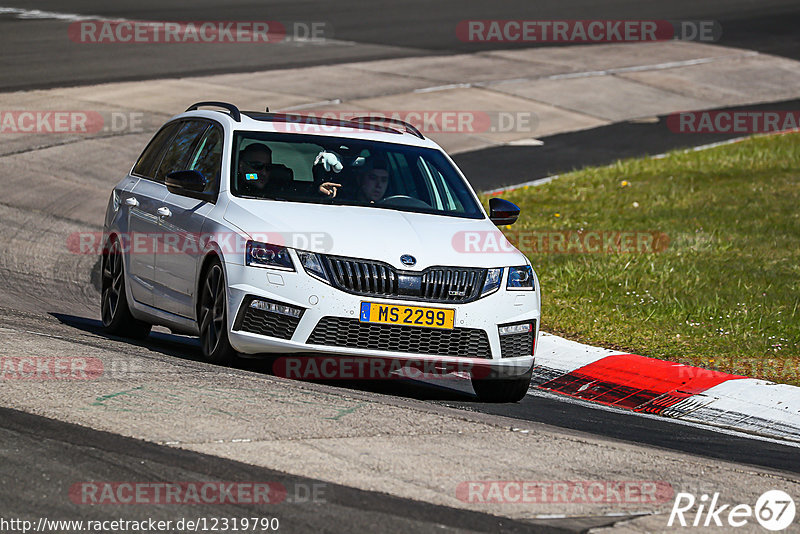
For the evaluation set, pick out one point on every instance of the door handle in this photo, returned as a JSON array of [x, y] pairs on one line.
[[163, 211], [131, 201]]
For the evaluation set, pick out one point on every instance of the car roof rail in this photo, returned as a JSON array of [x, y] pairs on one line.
[[409, 128], [321, 121], [234, 111]]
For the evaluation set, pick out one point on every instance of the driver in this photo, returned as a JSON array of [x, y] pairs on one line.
[[371, 178], [255, 165]]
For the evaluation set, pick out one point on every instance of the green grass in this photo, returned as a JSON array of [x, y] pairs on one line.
[[725, 293]]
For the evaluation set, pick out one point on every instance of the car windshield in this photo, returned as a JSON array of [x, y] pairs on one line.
[[365, 173]]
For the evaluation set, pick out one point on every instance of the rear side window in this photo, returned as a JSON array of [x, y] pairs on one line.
[[152, 154], [176, 158]]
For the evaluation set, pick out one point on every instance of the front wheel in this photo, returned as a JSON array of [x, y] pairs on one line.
[[213, 317], [502, 389], [116, 315]]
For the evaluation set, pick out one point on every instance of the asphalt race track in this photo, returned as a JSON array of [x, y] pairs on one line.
[[51, 299], [63, 452], [395, 29]]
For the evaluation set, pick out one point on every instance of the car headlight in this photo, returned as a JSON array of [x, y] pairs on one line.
[[520, 277], [312, 263], [493, 277], [266, 255]]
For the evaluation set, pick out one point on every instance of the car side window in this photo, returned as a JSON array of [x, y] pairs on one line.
[[152, 154], [207, 158], [180, 150]]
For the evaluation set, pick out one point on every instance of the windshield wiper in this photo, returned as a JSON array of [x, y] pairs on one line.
[[262, 197]]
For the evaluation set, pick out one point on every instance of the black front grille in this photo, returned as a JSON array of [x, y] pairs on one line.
[[451, 284], [342, 332], [434, 284], [514, 345], [265, 323], [362, 277]]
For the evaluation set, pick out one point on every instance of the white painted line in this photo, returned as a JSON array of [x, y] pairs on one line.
[[538, 181], [444, 87], [526, 142], [45, 335], [37, 14], [33, 14], [303, 41], [547, 179], [641, 68], [586, 74], [705, 147]]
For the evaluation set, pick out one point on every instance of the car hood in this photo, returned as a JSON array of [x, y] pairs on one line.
[[374, 233]]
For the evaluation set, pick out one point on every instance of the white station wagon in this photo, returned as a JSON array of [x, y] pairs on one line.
[[268, 233]]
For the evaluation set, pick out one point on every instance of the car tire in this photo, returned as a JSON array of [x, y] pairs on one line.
[[502, 389], [212, 316], [115, 312]]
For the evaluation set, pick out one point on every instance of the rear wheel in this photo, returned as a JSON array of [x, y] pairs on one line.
[[213, 317], [502, 389], [116, 315]]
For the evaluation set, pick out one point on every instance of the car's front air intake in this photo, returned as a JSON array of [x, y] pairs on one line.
[[362, 277], [451, 284], [267, 318], [345, 332], [376, 279]]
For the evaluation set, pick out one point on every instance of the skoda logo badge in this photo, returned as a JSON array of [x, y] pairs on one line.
[[408, 260]]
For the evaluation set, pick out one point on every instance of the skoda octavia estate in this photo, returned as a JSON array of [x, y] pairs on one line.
[[266, 233]]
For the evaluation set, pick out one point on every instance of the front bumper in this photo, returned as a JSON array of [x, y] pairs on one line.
[[329, 323]]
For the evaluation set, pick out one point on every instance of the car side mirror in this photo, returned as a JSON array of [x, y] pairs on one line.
[[502, 212], [189, 184]]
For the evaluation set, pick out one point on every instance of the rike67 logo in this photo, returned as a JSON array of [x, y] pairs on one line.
[[774, 510]]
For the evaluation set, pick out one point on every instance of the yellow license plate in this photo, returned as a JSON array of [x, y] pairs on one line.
[[372, 312]]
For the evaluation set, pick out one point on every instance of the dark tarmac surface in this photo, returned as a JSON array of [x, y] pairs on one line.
[[38, 53]]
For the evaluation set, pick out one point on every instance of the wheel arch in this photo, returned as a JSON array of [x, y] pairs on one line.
[[212, 255]]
